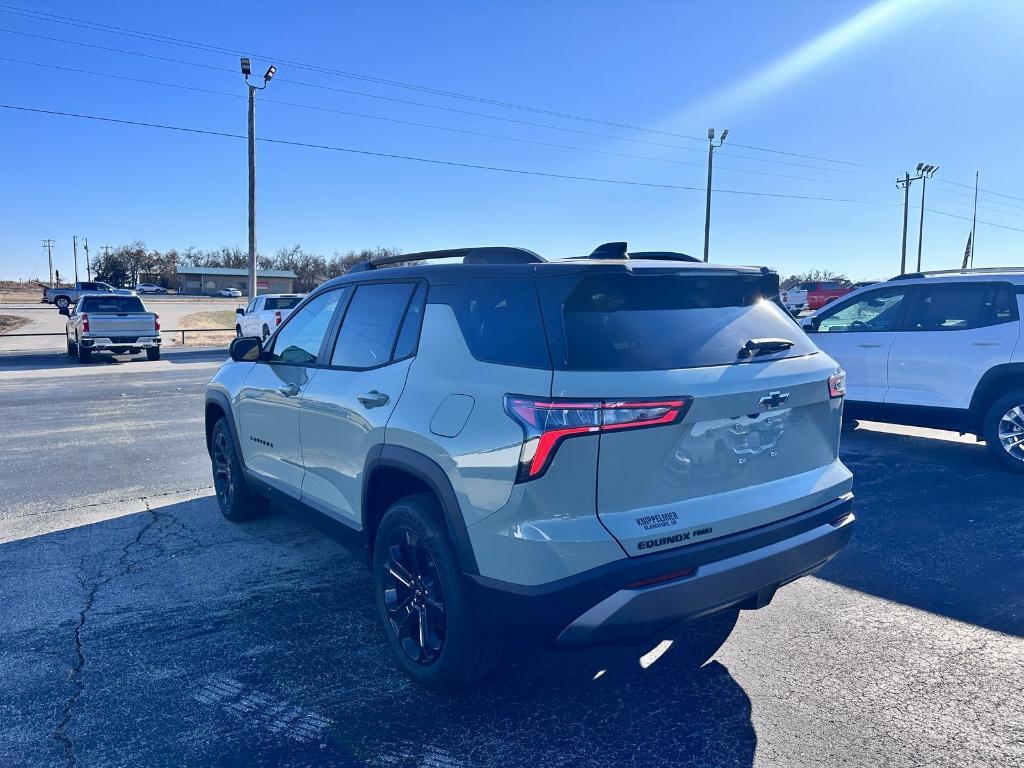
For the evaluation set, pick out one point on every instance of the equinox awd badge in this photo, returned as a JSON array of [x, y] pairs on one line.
[[773, 400]]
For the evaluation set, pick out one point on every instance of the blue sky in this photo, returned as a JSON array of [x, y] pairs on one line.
[[880, 86]]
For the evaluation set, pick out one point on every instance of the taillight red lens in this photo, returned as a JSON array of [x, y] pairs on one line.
[[277, 318], [156, 322], [546, 423], [85, 323], [837, 384]]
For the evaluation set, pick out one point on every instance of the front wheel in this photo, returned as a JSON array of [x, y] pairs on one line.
[[1003, 430], [72, 350], [423, 601], [236, 500]]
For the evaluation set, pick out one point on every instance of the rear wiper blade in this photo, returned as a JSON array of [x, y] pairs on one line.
[[757, 346]]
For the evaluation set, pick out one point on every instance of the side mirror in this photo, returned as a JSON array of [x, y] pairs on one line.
[[64, 311], [245, 349], [239, 310]]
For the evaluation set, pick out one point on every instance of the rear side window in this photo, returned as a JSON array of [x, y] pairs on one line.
[[500, 319], [960, 307], [112, 304], [631, 322], [281, 302], [370, 327]]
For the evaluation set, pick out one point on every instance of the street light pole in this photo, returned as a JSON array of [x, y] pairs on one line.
[[707, 204], [74, 250], [246, 71], [925, 172]]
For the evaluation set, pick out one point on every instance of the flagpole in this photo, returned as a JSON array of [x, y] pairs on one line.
[[974, 218]]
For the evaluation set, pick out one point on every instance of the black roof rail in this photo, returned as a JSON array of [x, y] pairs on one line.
[[967, 271], [907, 276], [480, 255], [662, 256]]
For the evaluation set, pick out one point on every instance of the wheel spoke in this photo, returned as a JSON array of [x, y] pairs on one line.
[[414, 590]]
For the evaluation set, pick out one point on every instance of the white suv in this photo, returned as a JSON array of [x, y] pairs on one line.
[[938, 349], [264, 313]]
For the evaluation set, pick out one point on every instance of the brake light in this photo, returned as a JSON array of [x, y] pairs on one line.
[[277, 317], [85, 323], [156, 322], [547, 423], [837, 384]]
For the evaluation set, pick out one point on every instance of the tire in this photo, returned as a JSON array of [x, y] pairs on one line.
[[1006, 417], [152, 353], [235, 498], [72, 349], [450, 649], [84, 354], [238, 331], [266, 333], [62, 302]]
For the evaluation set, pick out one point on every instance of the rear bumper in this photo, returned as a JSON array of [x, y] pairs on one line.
[[742, 571], [142, 342]]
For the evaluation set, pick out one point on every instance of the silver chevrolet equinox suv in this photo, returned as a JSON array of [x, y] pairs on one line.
[[579, 451]]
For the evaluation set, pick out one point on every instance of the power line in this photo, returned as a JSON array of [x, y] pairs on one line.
[[954, 201], [986, 191], [434, 161], [968, 218], [153, 37], [398, 121]]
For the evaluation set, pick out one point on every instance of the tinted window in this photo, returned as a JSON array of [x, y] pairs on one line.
[[409, 336], [298, 341], [620, 322], [874, 311], [281, 302], [958, 307], [370, 327], [111, 304], [500, 319]]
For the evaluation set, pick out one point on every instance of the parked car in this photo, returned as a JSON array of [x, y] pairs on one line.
[[938, 350], [526, 451], [65, 297], [111, 323], [149, 288], [264, 313], [813, 295], [231, 292]]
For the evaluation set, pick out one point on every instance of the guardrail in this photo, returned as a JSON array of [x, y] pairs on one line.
[[182, 331]]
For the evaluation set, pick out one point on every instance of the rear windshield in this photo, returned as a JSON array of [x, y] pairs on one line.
[[631, 322], [112, 304], [282, 302]]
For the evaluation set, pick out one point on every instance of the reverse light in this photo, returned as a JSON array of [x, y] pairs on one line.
[[85, 323], [547, 423], [837, 384]]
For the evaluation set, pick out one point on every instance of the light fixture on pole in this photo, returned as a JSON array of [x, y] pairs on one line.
[[712, 146], [246, 72], [924, 172]]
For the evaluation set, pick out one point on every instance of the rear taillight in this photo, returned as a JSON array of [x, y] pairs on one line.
[[546, 423], [156, 322], [277, 318], [85, 323], [837, 384]]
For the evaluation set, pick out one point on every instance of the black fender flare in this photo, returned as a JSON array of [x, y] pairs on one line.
[[985, 384], [221, 401], [428, 472]]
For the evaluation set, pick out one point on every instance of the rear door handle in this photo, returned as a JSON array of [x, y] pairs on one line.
[[372, 399], [986, 343], [289, 391], [870, 346]]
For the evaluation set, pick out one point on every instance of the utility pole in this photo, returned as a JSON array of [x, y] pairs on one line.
[[74, 248], [974, 219], [707, 205], [88, 267], [924, 172], [48, 245], [246, 71]]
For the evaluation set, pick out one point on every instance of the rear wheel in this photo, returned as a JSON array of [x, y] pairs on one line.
[[1003, 430], [84, 354], [152, 353], [72, 350], [423, 601], [234, 497], [62, 302]]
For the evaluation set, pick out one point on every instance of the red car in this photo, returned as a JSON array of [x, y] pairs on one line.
[[813, 295]]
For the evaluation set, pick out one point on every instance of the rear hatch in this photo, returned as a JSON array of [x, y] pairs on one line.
[[703, 435]]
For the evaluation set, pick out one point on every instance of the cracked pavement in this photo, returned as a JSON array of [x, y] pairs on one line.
[[139, 628]]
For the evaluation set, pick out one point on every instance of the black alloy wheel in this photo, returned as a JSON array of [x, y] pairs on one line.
[[413, 597], [223, 477]]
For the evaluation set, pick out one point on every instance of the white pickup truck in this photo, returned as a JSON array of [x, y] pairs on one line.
[[264, 313], [111, 323], [68, 295]]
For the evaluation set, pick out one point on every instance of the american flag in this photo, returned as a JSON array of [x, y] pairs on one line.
[[967, 252]]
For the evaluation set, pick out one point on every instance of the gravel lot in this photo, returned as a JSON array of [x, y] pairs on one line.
[[139, 628]]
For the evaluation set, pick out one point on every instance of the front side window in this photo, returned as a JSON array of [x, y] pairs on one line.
[[370, 328], [299, 339], [960, 307], [873, 312]]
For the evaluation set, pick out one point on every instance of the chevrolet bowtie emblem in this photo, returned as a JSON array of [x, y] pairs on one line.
[[773, 400]]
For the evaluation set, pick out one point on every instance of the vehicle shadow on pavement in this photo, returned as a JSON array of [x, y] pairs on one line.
[[939, 528], [173, 637], [57, 359]]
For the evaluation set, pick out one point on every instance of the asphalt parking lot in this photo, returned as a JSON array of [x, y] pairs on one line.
[[139, 628]]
